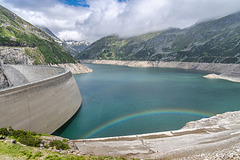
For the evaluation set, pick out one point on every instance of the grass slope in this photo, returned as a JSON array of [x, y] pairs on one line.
[[16, 32], [18, 152]]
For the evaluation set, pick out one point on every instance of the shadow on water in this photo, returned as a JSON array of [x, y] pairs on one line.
[[65, 125]]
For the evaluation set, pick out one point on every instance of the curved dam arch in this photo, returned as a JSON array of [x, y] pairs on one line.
[[42, 98]]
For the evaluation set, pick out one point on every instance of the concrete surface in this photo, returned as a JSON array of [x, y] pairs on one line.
[[43, 104], [14, 76]]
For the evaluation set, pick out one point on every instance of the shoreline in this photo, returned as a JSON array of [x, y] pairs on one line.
[[223, 77], [75, 68], [207, 138], [230, 72]]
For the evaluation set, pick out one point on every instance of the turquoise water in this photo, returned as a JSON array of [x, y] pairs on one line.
[[119, 100]]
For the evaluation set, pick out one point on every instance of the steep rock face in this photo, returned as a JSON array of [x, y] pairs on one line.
[[3, 79], [11, 55], [212, 41]]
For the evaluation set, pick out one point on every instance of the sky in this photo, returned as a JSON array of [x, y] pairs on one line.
[[93, 19]]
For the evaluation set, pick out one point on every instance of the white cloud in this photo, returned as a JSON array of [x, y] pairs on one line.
[[129, 18], [68, 34], [36, 18]]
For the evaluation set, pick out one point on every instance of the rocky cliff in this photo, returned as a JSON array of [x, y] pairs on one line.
[[3, 79], [14, 55]]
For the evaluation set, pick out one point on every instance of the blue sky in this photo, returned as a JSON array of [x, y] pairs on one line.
[[93, 19], [82, 3]]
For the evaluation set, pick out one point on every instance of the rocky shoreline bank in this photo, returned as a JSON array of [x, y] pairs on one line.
[[229, 72], [75, 68]]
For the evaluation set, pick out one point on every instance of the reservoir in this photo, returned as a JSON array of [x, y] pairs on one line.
[[119, 100]]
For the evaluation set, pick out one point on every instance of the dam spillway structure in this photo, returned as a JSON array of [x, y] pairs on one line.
[[41, 99]]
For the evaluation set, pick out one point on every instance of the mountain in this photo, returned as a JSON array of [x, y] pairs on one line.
[[211, 41], [71, 46], [16, 33], [49, 32], [74, 47]]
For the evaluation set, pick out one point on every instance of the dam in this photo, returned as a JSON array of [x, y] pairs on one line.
[[40, 99]]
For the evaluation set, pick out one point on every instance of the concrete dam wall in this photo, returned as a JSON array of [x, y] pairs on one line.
[[41, 99]]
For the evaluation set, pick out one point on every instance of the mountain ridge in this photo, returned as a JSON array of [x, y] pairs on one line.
[[49, 32], [209, 41], [18, 33], [73, 47]]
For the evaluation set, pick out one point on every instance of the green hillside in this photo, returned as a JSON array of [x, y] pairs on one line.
[[212, 41], [15, 32]]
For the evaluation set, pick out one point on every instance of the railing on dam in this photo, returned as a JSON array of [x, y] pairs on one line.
[[42, 98]]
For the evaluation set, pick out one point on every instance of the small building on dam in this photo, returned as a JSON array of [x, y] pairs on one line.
[[40, 99]]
